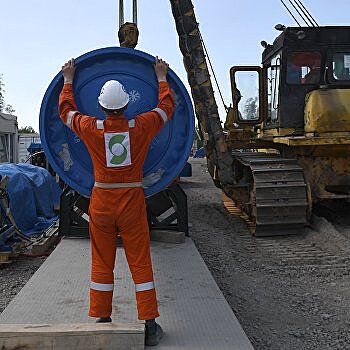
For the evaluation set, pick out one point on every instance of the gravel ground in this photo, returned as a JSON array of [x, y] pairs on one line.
[[287, 292], [15, 275]]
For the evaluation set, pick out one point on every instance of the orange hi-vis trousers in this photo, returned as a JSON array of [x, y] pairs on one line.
[[110, 215]]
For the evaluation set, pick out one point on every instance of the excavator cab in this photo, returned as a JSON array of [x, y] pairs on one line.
[[301, 69]]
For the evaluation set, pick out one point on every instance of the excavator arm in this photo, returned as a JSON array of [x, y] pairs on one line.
[[219, 157]]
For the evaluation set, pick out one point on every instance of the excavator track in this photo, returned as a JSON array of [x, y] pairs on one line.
[[278, 195]]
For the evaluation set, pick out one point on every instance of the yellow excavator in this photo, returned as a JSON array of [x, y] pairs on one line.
[[285, 145]]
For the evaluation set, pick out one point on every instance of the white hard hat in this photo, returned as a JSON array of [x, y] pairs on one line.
[[113, 95]]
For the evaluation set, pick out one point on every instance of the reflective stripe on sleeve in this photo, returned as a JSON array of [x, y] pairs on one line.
[[70, 117], [99, 124], [103, 287], [140, 287], [131, 123], [161, 113]]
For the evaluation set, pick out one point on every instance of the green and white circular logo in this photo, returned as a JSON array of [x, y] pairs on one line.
[[117, 149]]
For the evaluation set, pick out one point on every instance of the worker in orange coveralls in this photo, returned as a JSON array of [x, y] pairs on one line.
[[118, 148]]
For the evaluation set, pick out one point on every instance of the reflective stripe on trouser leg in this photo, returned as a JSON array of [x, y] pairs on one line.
[[135, 235], [146, 300], [102, 287], [103, 248], [141, 269], [140, 287]]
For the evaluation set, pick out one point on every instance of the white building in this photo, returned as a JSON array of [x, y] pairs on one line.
[[8, 138], [24, 141]]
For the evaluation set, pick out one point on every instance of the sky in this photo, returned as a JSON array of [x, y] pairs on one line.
[[38, 36]]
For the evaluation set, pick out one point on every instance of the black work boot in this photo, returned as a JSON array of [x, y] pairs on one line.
[[153, 333], [103, 320]]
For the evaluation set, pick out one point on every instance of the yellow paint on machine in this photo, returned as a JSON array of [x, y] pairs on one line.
[[327, 110], [312, 141]]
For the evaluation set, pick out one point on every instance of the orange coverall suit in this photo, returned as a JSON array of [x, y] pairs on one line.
[[118, 149]]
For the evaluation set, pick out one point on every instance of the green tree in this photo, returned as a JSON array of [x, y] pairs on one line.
[[250, 110], [9, 109], [26, 130], [198, 136], [3, 106], [2, 99]]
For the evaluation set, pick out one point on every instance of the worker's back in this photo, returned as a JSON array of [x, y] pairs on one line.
[[118, 147]]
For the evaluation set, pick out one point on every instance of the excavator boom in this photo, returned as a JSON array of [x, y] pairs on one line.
[[219, 157]]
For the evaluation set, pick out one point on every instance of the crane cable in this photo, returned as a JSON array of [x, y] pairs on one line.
[[121, 12], [300, 14], [212, 70], [290, 13], [302, 11], [306, 13]]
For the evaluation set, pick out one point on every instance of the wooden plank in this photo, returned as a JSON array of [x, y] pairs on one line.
[[45, 245], [4, 258], [85, 336]]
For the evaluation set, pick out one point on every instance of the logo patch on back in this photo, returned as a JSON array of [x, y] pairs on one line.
[[117, 149]]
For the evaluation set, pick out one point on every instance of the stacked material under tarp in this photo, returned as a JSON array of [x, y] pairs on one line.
[[32, 193]]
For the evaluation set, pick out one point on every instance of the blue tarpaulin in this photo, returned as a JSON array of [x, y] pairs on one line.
[[33, 193], [200, 153], [34, 147]]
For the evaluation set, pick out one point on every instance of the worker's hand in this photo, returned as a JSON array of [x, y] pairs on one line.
[[68, 71], [161, 69]]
